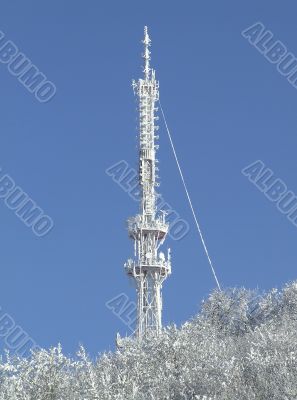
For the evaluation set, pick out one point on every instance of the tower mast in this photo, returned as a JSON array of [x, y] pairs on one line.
[[148, 229]]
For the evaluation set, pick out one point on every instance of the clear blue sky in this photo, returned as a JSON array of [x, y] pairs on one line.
[[226, 105]]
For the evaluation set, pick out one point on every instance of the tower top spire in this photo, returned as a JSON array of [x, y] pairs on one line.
[[146, 55]]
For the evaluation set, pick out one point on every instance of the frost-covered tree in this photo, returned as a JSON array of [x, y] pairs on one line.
[[242, 345]]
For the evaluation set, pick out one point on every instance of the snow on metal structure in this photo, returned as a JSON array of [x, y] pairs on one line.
[[150, 267]]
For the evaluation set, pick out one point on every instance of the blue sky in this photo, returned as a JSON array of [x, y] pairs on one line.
[[226, 106]]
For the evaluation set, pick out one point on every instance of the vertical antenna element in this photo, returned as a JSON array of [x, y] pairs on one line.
[[146, 55], [150, 267]]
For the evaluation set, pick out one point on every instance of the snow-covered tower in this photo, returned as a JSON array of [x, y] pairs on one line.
[[150, 267]]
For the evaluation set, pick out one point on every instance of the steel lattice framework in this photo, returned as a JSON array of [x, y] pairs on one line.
[[148, 229]]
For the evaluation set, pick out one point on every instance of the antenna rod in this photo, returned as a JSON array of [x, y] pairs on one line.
[[146, 55]]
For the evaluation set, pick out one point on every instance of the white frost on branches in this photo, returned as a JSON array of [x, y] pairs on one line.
[[241, 346]]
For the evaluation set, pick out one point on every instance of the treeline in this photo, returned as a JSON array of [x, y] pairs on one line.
[[241, 346]]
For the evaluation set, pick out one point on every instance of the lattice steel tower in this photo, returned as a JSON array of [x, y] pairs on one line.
[[148, 229]]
